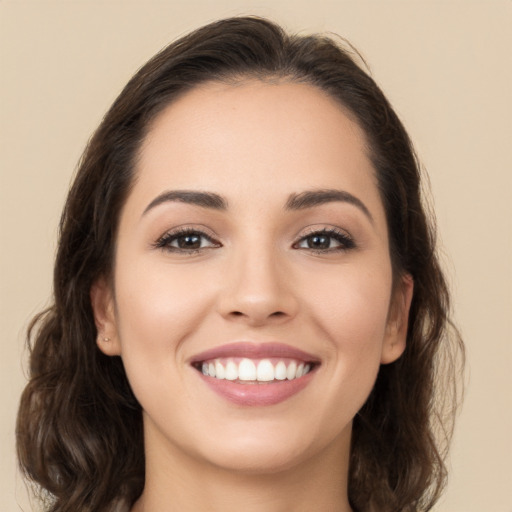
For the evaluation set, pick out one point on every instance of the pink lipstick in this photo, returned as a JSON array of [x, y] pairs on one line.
[[255, 374]]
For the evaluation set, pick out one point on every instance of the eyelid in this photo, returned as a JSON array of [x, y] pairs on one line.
[[163, 242], [341, 235], [323, 228]]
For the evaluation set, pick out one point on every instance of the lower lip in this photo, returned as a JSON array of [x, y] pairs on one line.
[[260, 394]]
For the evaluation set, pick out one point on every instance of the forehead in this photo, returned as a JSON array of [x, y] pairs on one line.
[[269, 138]]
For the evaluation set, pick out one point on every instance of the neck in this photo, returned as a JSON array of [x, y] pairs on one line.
[[177, 482]]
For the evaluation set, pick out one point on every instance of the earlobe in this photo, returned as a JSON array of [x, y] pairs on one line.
[[398, 321], [102, 302]]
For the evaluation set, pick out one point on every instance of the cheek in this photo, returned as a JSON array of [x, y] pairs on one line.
[[157, 300], [352, 318], [156, 309], [352, 306]]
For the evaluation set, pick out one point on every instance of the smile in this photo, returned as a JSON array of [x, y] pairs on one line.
[[249, 370], [249, 374]]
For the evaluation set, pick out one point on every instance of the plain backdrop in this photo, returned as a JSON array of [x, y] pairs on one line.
[[445, 66]]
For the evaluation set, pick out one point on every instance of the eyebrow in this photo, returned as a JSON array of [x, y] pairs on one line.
[[197, 198], [311, 198], [302, 201]]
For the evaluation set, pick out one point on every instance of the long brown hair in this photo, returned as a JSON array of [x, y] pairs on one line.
[[79, 429]]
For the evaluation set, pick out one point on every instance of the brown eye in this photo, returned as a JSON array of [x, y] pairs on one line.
[[318, 242], [189, 241], [186, 242], [326, 241]]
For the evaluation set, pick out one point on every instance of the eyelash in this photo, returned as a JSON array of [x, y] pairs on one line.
[[165, 241], [345, 241]]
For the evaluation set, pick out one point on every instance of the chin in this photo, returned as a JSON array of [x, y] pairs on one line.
[[265, 451], [259, 459]]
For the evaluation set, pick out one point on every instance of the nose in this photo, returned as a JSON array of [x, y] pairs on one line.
[[258, 289]]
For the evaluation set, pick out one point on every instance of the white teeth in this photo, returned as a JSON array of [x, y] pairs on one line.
[[219, 371], [248, 370], [280, 371], [265, 371], [231, 371], [291, 372]]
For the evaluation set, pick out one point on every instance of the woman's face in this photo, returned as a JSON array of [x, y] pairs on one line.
[[253, 246]]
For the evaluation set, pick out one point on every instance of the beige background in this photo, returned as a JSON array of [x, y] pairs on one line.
[[446, 67]]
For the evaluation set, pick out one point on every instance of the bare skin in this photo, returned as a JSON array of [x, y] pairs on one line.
[[191, 486], [290, 246]]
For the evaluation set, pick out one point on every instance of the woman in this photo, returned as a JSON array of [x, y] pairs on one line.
[[249, 311]]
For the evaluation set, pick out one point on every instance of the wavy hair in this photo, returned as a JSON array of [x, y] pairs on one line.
[[79, 427]]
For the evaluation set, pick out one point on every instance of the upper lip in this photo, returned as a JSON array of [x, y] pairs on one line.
[[254, 351]]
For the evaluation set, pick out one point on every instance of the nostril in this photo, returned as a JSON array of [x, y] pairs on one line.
[[275, 314]]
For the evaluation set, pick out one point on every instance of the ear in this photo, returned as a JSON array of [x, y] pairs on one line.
[[102, 302], [398, 320]]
